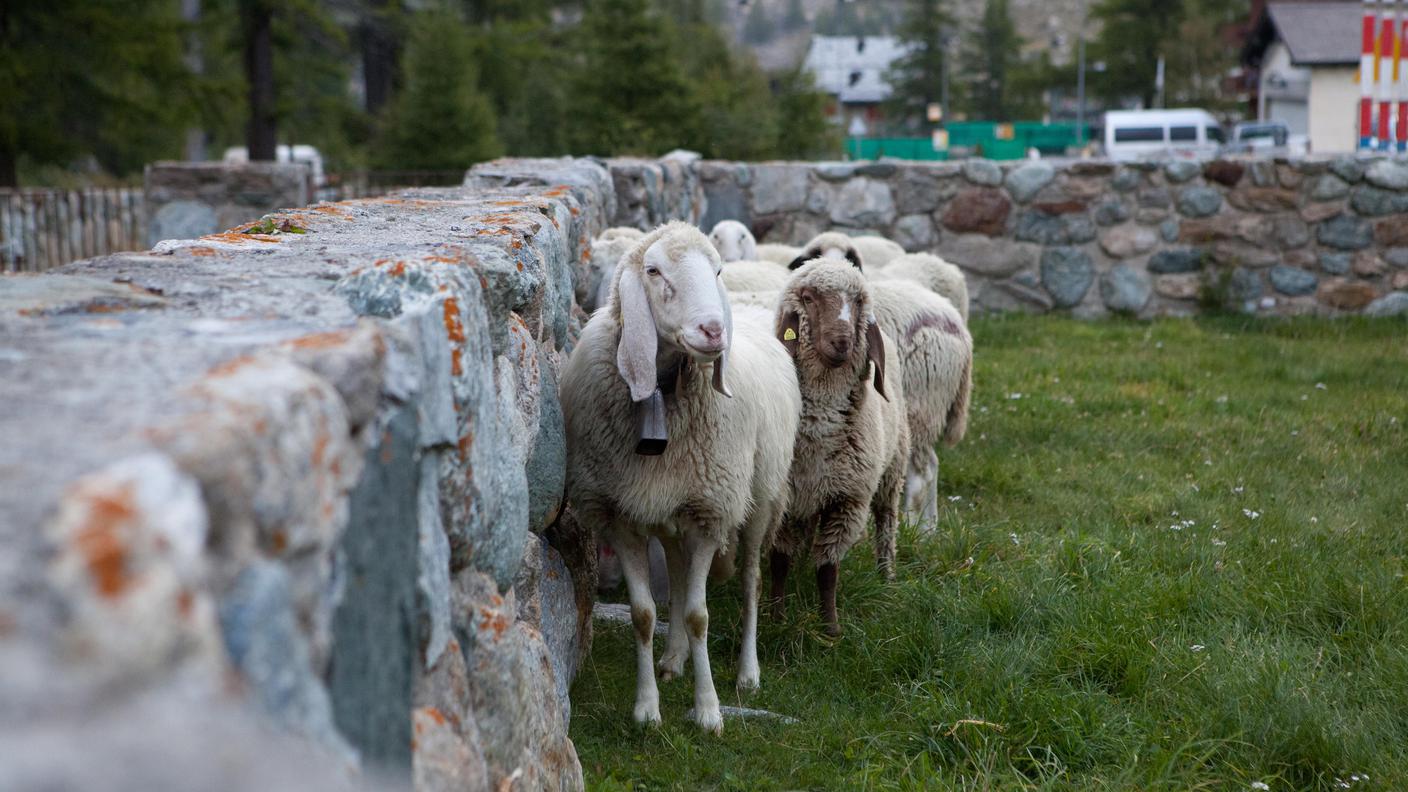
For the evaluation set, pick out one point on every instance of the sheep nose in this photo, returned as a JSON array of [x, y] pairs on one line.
[[713, 331], [843, 347]]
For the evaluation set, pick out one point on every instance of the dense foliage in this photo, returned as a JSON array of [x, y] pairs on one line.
[[389, 83]]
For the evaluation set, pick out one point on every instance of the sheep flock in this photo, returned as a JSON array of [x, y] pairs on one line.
[[734, 401]]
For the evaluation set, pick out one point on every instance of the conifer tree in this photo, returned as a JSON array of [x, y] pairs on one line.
[[629, 94], [440, 120]]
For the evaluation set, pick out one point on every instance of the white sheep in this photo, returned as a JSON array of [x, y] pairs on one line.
[[734, 241], [870, 252], [607, 249], [669, 354], [852, 442], [930, 271], [776, 253], [748, 276], [828, 245], [877, 252], [936, 352], [767, 300]]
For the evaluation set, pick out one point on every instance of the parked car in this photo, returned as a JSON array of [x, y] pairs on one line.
[[1268, 137], [1149, 134], [308, 155]]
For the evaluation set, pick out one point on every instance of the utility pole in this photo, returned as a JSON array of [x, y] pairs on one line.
[[195, 61], [1080, 78]]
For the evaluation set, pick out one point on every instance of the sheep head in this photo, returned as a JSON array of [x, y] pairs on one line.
[[831, 245], [670, 302], [824, 317], [734, 241]]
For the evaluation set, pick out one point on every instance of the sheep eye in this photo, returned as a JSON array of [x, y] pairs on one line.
[[652, 270]]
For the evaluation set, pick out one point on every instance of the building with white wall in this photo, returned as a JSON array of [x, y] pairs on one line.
[[852, 70], [1307, 59]]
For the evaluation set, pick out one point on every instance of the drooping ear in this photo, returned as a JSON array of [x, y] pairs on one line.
[[635, 352], [853, 256], [750, 247], [787, 330], [722, 362], [876, 342]]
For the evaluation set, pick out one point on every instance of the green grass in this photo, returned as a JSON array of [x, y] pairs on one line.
[[1175, 562]]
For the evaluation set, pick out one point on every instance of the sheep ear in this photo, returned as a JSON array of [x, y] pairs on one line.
[[750, 248], [635, 353], [876, 342], [722, 362], [800, 260], [853, 256], [787, 331]]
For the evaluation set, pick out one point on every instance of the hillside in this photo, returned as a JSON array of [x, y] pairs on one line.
[[1046, 25]]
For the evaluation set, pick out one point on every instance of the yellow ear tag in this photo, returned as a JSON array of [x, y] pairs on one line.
[[789, 335]]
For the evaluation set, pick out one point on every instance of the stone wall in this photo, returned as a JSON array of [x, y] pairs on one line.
[[1322, 236], [184, 200], [277, 502]]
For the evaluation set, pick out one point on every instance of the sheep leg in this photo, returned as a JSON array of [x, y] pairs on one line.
[[779, 563], [752, 541], [885, 507], [635, 565], [826, 577], [706, 712], [930, 503], [671, 663]]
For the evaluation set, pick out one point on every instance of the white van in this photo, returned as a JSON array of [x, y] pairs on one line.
[[308, 155], [1153, 134]]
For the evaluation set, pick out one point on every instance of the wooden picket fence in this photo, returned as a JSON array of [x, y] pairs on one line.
[[42, 229]]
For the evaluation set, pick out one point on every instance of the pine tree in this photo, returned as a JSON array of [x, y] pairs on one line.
[[916, 78], [1134, 34], [996, 87], [629, 94], [101, 79], [440, 120]]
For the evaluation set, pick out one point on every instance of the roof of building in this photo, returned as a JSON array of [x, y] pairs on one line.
[[1318, 33], [852, 68]]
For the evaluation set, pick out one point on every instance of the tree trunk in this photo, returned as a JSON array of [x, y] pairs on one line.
[[262, 136], [9, 167], [379, 54]]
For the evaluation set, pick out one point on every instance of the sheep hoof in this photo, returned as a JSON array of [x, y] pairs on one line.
[[747, 684], [648, 713], [832, 630], [670, 666], [709, 719]]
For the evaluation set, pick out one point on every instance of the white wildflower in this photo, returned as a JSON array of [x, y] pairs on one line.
[[1197, 647], [1218, 543], [1314, 520], [1251, 514], [1320, 386], [1238, 489], [1014, 396], [1222, 399], [1014, 539], [955, 498], [1260, 785]]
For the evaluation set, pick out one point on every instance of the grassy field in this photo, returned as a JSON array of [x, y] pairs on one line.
[[1172, 556]]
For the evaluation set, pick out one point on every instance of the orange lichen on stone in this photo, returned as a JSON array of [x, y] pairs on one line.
[[230, 366], [320, 448], [332, 210], [491, 620], [201, 250], [435, 715], [453, 326], [321, 340], [100, 543], [465, 444], [232, 238], [443, 259], [278, 541], [508, 203], [185, 603]]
